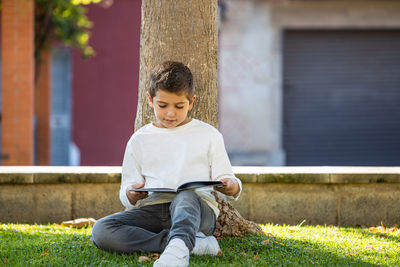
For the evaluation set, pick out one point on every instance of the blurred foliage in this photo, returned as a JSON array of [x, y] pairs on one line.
[[64, 21]]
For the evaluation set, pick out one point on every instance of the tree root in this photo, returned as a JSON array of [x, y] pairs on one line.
[[231, 223]]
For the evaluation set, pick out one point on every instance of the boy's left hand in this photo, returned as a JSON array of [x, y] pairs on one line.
[[230, 188]]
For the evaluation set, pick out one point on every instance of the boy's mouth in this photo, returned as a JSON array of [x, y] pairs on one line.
[[169, 121]]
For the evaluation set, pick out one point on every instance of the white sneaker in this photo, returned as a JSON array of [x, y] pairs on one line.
[[175, 254], [206, 245]]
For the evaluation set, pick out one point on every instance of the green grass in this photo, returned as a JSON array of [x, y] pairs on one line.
[[53, 245]]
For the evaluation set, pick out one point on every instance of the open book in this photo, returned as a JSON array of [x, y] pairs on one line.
[[185, 186]]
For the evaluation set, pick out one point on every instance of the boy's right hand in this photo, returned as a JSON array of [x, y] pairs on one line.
[[133, 197]]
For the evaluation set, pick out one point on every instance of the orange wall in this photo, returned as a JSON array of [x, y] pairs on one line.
[[17, 82]]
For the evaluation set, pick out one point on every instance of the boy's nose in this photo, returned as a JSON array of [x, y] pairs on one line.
[[170, 112]]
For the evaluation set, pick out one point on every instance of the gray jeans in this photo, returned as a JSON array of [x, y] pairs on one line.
[[150, 228]]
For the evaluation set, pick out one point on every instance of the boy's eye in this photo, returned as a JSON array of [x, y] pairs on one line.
[[179, 107], [162, 106]]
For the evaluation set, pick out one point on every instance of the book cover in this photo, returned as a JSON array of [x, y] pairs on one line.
[[185, 186]]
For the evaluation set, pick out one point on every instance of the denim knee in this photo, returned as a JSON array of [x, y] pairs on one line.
[[99, 233], [186, 196]]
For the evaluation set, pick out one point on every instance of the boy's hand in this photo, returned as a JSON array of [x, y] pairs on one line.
[[230, 188], [133, 197]]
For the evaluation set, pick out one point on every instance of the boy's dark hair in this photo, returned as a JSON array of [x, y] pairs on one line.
[[173, 77]]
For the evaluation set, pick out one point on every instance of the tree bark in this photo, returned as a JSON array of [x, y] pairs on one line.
[[187, 31]]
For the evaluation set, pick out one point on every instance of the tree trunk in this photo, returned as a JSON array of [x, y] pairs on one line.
[[187, 31]]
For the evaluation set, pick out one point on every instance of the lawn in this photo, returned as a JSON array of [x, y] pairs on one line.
[[54, 245]]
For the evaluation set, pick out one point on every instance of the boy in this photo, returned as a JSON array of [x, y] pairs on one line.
[[171, 151]]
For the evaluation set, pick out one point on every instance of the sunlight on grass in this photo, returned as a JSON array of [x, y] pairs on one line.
[[54, 245], [349, 243]]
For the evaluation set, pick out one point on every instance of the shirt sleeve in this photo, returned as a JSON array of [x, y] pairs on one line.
[[131, 170], [220, 164]]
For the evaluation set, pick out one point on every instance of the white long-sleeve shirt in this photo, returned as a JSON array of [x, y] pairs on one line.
[[169, 157]]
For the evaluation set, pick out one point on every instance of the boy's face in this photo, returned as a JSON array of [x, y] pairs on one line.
[[170, 109]]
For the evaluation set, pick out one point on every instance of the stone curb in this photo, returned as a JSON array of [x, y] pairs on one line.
[[318, 175], [54, 175], [293, 175]]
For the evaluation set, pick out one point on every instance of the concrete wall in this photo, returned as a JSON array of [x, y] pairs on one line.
[[282, 195], [249, 85], [250, 63]]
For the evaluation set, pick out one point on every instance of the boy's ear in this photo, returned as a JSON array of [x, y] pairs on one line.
[[191, 102], [150, 99]]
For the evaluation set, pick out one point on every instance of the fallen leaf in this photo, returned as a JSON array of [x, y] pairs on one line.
[[373, 229], [144, 258], [244, 255], [46, 252], [219, 253], [383, 225], [256, 257], [293, 230], [155, 256], [382, 228], [265, 242], [5, 260], [355, 253], [79, 223]]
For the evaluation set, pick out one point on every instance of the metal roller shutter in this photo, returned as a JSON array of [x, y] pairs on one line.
[[341, 98]]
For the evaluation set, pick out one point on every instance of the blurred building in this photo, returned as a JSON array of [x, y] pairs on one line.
[[302, 82], [310, 82], [105, 88], [93, 102]]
